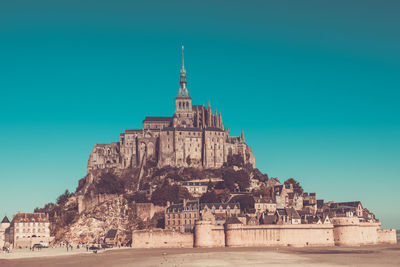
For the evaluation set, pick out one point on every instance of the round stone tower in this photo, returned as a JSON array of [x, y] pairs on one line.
[[346, 231], [203, 234]]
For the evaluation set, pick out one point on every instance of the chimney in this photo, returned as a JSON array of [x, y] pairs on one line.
[[168, 203], [184, 202]]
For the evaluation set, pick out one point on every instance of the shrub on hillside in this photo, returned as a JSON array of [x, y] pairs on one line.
[[232, 177], [172, 193], [110, 183]]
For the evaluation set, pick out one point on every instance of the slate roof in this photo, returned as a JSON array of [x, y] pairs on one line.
[[233, 220], [191, 205], [214, 129], [158, 119], [194, 184], [183, 93], [30, 217], [281, 212], [218, 205], [187, 129], [5, 220], [262, 200], [349, 204], [292, 213]]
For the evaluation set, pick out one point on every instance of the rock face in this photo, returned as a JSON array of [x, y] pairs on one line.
[[94, 223]]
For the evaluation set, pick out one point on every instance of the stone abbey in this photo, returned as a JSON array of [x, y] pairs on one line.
[[193, 137]]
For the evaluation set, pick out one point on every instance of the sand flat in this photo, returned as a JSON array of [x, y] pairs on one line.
[[381, 255]]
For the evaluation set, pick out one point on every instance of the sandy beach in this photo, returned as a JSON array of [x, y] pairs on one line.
[[384, 255]]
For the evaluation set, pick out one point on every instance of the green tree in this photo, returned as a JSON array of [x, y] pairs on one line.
[[296, 185], [209, 197], [62, 199], [246, 202]]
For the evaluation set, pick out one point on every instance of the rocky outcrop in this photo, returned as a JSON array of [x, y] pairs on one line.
[[93, 224]]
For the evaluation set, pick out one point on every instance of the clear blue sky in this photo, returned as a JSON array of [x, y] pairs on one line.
[[313, 84]]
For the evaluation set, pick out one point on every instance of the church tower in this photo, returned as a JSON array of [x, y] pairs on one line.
[[183, 102]]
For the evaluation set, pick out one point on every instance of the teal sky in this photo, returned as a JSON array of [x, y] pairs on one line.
[[313, 84]]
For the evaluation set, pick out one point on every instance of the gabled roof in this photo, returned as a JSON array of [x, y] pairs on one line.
[[263, 200], [30, 217], [233, 220], [281, 212], [5, 220], [191, 205], [292, 213], [218, 205]]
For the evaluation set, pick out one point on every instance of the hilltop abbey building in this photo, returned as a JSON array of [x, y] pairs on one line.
[[193, 137]]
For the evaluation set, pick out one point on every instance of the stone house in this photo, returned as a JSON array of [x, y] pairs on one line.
[[221, 211], [196, 189], [310, 201], [288, 216], [281, 195], [28, 229], [181, 217], [272, 182], [264, 204], [359, 210]]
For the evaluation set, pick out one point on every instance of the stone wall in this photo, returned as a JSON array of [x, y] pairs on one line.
[[343, 231], [161, 239], [387, 236], [28, 242], [369, 233], [88, 202], [146, 211], [279, 235]]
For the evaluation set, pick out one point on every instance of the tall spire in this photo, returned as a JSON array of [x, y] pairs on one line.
[[183, 91], [183, 59]]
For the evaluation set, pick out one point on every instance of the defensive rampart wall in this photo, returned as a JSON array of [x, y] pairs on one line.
[[387, 236], [343, 231], [161, 239], [279, 235]]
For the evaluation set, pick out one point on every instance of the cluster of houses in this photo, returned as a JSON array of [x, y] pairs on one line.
[[283, 205]]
